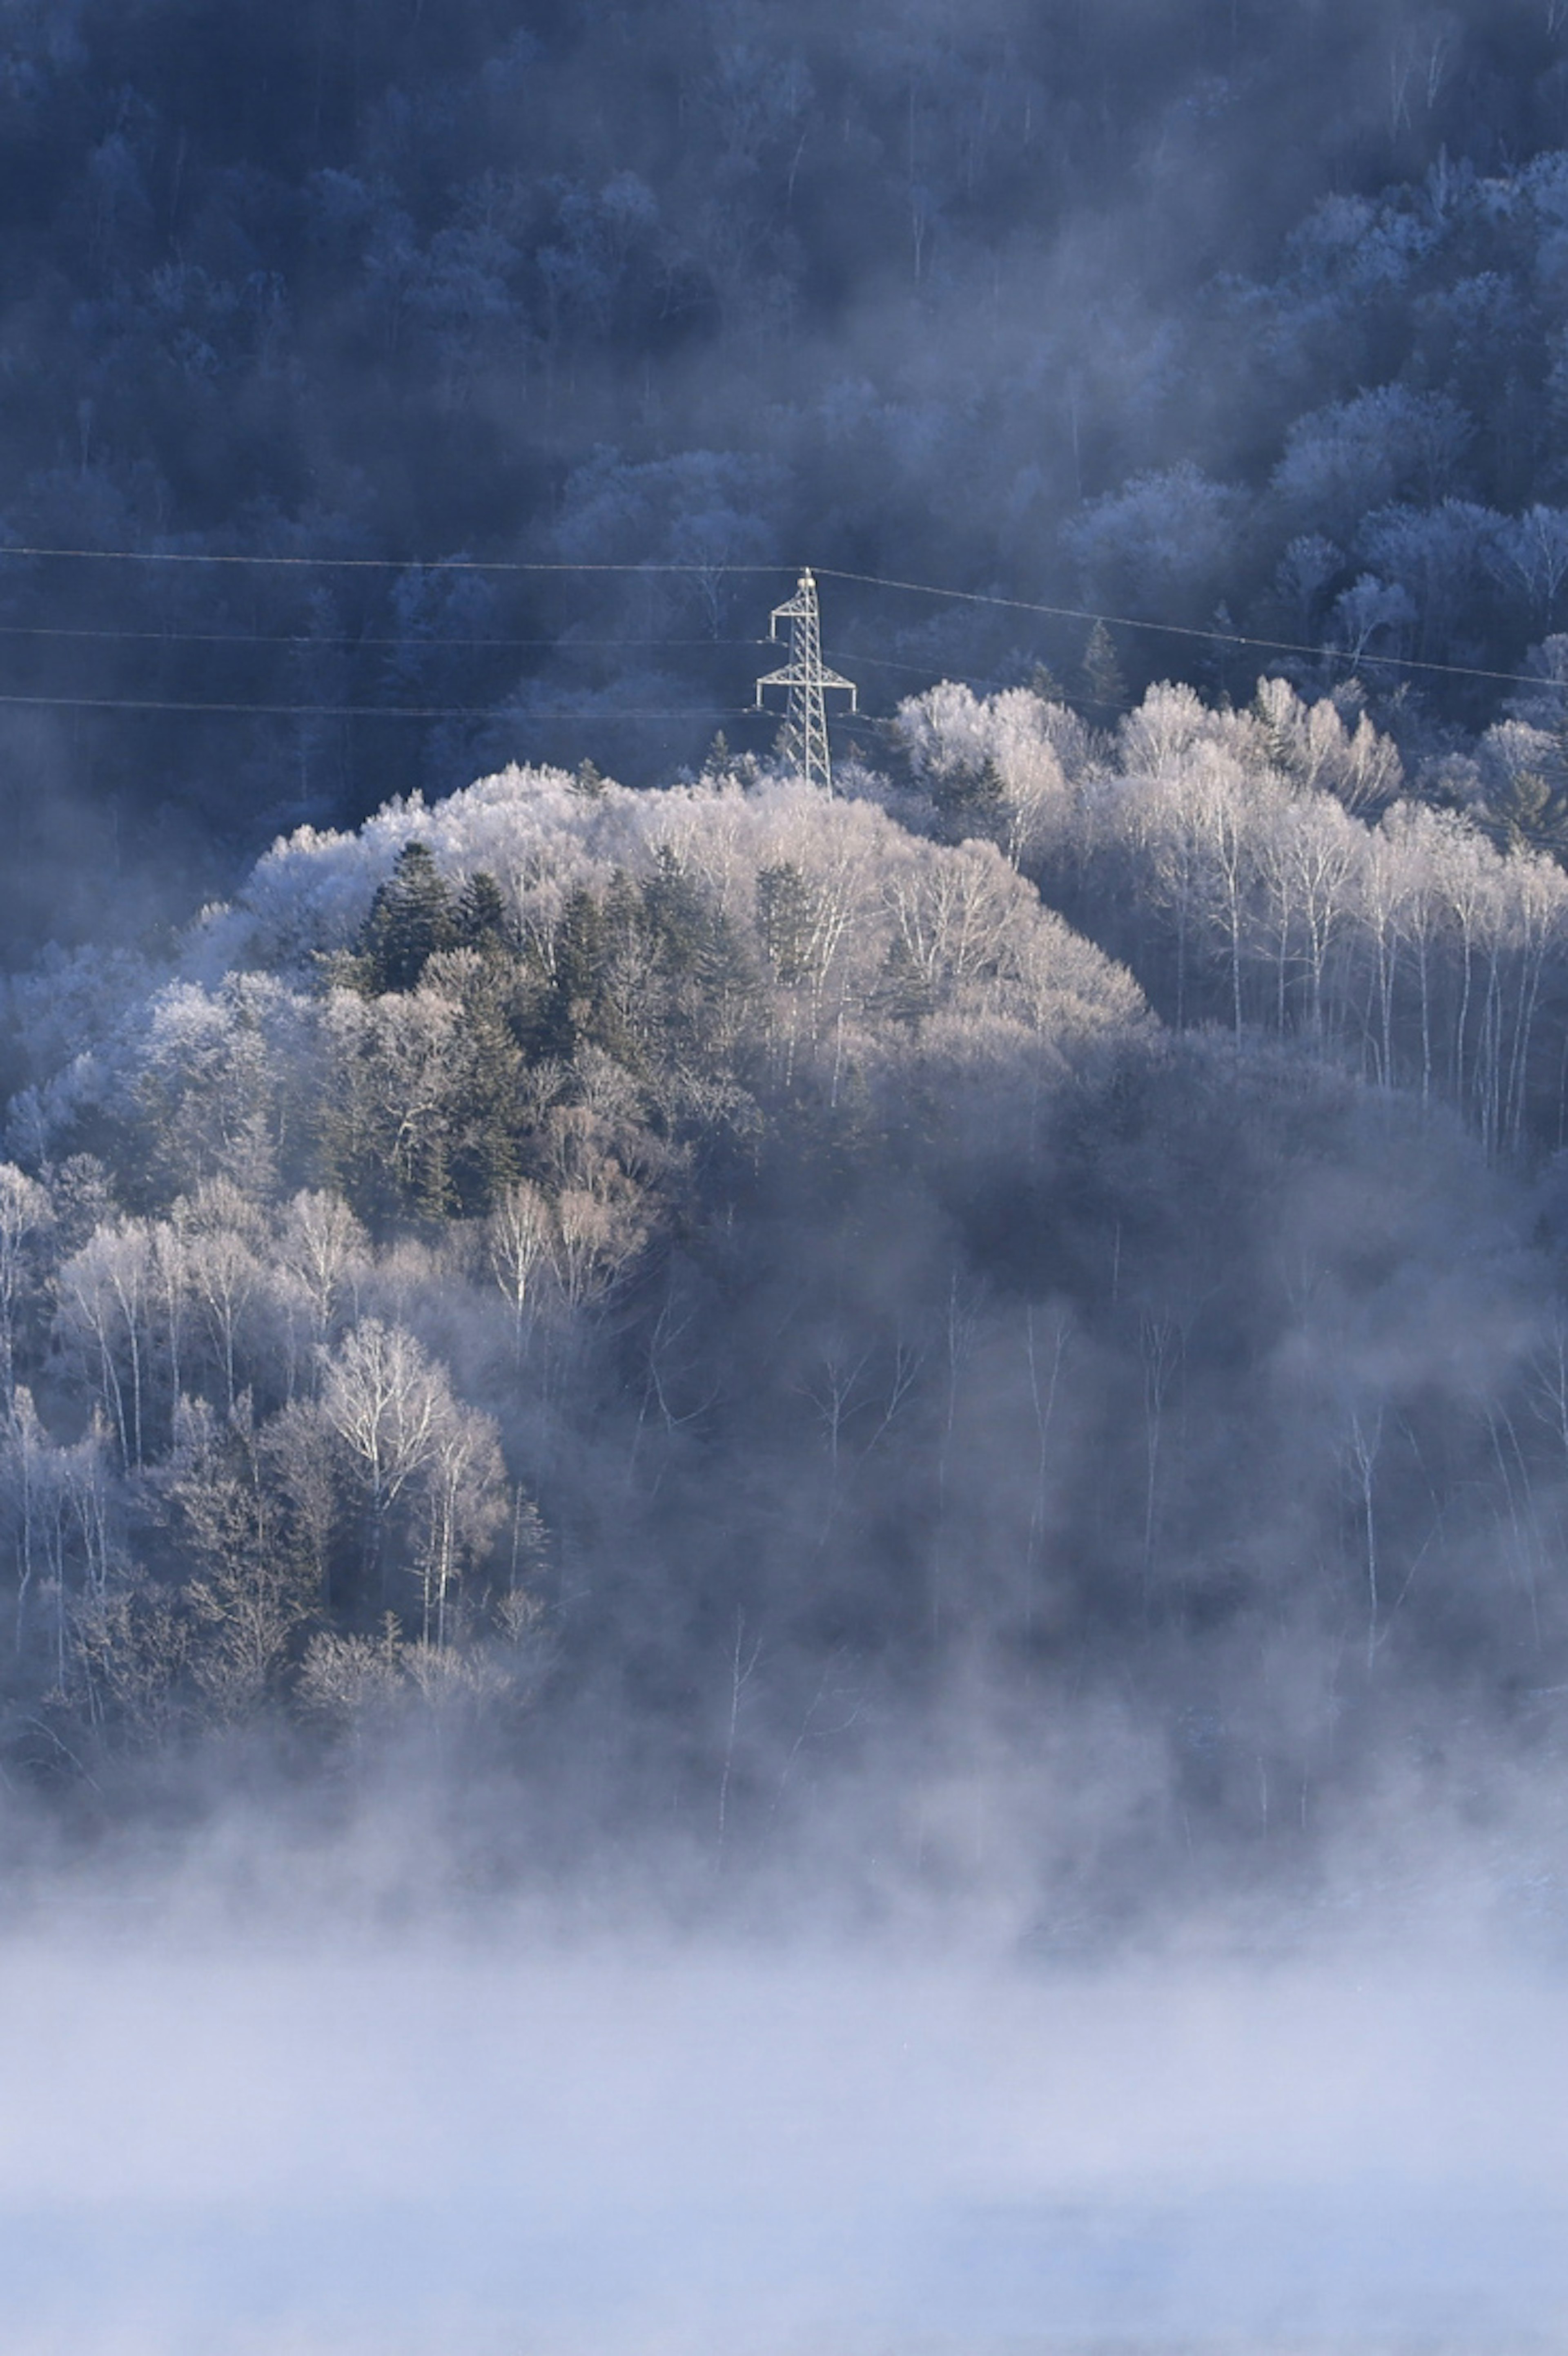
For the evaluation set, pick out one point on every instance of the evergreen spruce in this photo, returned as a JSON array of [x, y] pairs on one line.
[[411, 917], [480, 918], [1531, 815], [972, 804], [786, 914], [576, 985], [1105, 688]]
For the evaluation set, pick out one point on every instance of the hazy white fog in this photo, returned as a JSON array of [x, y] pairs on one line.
[[521, 2143]]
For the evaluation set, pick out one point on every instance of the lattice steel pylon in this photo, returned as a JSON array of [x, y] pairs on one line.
[[804, 736]]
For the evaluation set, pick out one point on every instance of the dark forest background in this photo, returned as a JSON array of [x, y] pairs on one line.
[[1217, 314], [1008, 1319]]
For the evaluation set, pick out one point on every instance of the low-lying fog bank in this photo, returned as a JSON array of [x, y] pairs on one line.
[[244, 2137]]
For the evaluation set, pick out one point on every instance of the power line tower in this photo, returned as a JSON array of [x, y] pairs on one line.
[[804, 736]]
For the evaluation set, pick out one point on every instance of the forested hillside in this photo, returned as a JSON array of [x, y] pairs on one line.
[[700, 1304], [783, 1176], [1220, 320], [715, 1300]]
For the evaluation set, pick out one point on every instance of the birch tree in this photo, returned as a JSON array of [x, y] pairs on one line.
[[25, 1214], [388, 1403]]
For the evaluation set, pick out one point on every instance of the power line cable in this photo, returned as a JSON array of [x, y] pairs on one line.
[[306, 642], [919, 670], [373, 564], [517, 716], [1211, 636]]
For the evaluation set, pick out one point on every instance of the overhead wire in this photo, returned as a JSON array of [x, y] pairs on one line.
[[1209, 636], [915, 670], [1212, 635], [307, 641], [515, 714], [372, 564]]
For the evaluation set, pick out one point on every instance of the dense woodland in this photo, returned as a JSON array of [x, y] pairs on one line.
[[704, 1305], [1224, 316], [683, 1293]]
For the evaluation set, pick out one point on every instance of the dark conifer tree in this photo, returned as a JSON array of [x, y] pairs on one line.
[[973, 804], [1531, 814], [487, 1131], [786, 912], [1105, 687], [480, 919], [569, 1009], [411, 917]]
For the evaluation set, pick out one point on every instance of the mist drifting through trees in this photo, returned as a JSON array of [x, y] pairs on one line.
[[785, 1549]]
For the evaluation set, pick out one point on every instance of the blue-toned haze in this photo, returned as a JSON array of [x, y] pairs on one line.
[[782, 1572]]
